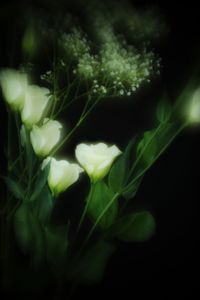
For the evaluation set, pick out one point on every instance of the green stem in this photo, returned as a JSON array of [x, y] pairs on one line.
[[84, 212], [97, 222], [79, 122]]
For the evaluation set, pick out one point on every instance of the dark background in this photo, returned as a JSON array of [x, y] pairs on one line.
[[167, 266]]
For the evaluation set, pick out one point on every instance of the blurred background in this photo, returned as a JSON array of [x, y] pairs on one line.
[[165, 267]]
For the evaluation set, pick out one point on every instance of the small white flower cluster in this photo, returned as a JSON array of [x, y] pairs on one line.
[[116, 69], [31, 102], [75, 44], [47, 77]]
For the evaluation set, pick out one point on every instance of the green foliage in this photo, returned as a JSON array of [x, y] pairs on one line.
[[56, 245], [42, 241], [90, 268], [14, 188], [119, 172], [29, 233], [99, 199], [164, 111], [40, 182], [150, 147], [43, 205], [134, 227]]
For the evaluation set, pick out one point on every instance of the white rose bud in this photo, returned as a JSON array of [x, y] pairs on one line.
[[14, 85], [44, 138], [62, 174], [96, 159], [194, 108], [36, 101]]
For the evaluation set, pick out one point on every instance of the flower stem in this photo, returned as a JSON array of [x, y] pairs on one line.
[[96, 223]]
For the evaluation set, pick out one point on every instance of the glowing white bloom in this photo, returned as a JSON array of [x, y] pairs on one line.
[[44, 138], [36, 101], [62, 174], [14, 85], [96, 159], [194, 108]]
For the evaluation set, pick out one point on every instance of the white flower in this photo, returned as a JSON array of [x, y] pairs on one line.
[[14, 85], [36, 100], [44, 138], [194, 108], [96, 159], [62, 174]]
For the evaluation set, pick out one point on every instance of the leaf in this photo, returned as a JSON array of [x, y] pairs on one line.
[[99, 198], [14, 188], [56, 245], [149, 149], [43, 206], [40, 182], [148, 140], [164, 111], [135, 227], [132, 190], [22, 222], [120, 170], [29, 233], [30, 155], [90, 268]]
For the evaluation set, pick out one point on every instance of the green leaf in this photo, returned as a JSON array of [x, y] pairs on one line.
[[40, 182], [148, 142], [99, 198], [164, 111], [149, 149], [135, 227], [90, 268], [120, 170], [22, 222], [30, 155], [132, 190], [14, 188], [56, 245], [42, 206], [29, 233]]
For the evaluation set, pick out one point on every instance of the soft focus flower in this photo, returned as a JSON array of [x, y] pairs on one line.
[[62, 174], [194, 108], [44, 138], [36, 100], [96, 159], [14, 85]]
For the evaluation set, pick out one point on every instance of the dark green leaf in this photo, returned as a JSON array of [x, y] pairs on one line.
[[40, 182], [149, 142], [29, 233], [14, 188], [135, 227], [164, 110], [153, 144], [23, 220], [132, 190], [120, 170], [99, 198], [90, 268], [56, 245], [43, 205]]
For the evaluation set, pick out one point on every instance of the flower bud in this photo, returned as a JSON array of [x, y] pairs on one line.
[[36, 100], [62, 174], [44, 138], [96, 159], [14, 85]]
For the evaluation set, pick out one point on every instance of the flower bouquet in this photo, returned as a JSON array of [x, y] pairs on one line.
[[112, 60]]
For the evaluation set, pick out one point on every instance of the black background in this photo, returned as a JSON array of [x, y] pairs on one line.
[[167, 266]]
